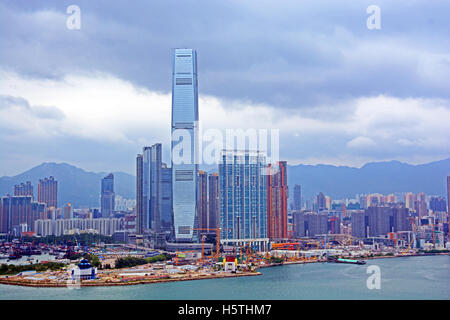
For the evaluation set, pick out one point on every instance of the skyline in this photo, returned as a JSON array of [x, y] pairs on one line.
[[314, 179], [385, 101], [274, 150]]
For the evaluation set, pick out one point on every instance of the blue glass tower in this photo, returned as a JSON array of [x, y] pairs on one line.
[[107, 196], [243, 198], [184, 143], [166, 206], [152, 195]]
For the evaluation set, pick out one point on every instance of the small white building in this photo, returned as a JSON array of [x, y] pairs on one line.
[[84, 271], [229, 264]]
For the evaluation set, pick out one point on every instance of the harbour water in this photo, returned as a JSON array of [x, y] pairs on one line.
[[25, 260], [401, 278]]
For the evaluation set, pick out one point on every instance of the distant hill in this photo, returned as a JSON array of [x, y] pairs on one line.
[[82, 188], [79, 187], [382, 177]]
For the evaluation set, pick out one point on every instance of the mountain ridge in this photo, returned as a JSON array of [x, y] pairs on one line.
[[82, 188]]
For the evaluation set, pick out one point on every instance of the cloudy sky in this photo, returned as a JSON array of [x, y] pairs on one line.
[[338, 92]]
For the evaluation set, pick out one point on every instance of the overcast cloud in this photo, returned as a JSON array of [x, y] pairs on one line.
[[338, 92]]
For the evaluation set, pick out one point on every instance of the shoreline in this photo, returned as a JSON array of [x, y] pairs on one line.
[[365, 258], [42, 284]]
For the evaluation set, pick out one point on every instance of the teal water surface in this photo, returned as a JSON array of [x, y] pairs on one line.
[[401, 278]]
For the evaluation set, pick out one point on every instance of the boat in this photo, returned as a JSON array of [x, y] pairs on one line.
[[4, 256], [351, 261]]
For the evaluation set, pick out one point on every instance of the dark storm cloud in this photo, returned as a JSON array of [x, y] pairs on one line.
[[313, 59], [289, 54]]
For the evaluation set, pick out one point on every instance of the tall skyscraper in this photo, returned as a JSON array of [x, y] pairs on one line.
[[107, 196], [448, 194], [321, 204], [420, 206], [166, 212], [139, 195], [202, 203], [19, 213], [152, 193], [243, 197], [327, 202], [23, 189], [48, 192], [68, 211], [297, 197], [277, 194], [184, 142], [213, 201], [5, 214]]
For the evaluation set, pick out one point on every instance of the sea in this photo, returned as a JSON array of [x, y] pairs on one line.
[[422, 277]]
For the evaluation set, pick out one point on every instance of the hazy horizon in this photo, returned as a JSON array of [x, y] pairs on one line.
[[209, 167]]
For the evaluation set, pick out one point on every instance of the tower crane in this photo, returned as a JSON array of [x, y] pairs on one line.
[[217, 230]]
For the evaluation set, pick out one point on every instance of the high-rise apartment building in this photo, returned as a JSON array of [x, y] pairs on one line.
[[448, 194], [277, 195], [202, 203], [297, 197], [375, 221], [213, 201], [20, 212], [67, 211], [334, 225], [107, 200], [438, 204], [327, 202], [243, 197], [420, 206], [140, 219], [374, 200], [5, 214], [184, 142], [103, 226], [152, 193], [166, 189], [410, 199], [23, 189], [309, 224], [48, 192], [321, 203]]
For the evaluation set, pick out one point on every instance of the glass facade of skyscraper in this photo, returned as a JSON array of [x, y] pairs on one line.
[[107, 196], [243, 195], [152, 195], [184, 123], [213, 201], [166, 213], [139, 195]]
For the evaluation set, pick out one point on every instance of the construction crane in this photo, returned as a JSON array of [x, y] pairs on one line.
[[315, 243], [286, 246], [217, 230], [182, 252], [332, 221]]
